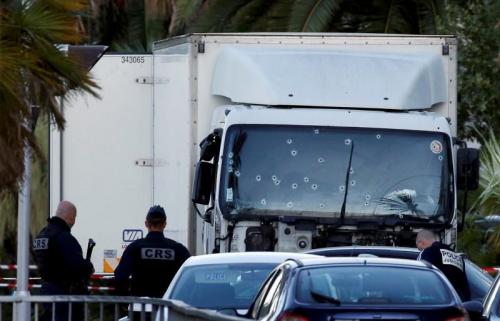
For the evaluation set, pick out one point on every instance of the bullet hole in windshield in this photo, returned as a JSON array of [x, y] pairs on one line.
[[353, 182], [274, 178], [258, 178], [295, 185], [351, 171], [314, 187], [277, 182], [321, 160], [237, 173], [367, 203], [347, 141], [293, 152], [263, 201], [230, 170], [289, 204], [231, 162], [368, 197], [321, 205], [230, 155], [306, 179], [378, 136], [316, 131], [341, 188], [440, 158], [289, 141]]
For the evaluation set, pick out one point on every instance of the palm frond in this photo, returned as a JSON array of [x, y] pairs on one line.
[[215, 15], [184, 13], [244, 19], [398, 17], [427, 14], [488, 201], [276, 18], [33, 72], [312, 16]]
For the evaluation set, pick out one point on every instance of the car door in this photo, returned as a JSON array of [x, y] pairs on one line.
[[491, 310], [269, 300]]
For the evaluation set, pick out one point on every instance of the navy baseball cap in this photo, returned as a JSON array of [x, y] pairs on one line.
[[156, 213]]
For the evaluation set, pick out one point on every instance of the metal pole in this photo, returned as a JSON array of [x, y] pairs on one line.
[[23, 308]]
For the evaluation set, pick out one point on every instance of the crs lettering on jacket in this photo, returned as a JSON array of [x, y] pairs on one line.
[[452, 258], [157, 254], [41, 243]]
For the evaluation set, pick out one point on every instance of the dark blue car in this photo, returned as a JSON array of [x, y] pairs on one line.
[[479, 281], [348, 289]]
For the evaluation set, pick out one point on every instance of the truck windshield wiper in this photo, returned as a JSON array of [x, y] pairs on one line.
[[347, 175], [324, 298]]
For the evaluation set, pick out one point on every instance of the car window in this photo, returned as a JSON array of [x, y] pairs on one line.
[[228, 285], [260, 296], [270, 297], [479, 281], [371, 285]]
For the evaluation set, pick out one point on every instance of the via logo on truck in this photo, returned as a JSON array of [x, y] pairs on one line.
[[131, 235]]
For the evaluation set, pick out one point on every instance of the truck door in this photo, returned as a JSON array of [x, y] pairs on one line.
[[102, 161]]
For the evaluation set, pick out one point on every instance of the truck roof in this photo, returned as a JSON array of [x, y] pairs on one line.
[[372, 71]]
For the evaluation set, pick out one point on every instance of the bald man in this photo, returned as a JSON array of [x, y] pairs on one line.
[[450, 263], [60, 259]]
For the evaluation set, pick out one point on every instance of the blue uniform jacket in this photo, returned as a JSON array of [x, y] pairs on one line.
[[59, 257], [152, 263]]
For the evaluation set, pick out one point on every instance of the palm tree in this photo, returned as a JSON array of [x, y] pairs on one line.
[[488, 201], [128, 25], [395, 16], [34, 71]]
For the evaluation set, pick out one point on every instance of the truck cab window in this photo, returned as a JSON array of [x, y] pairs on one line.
[[267, 170]]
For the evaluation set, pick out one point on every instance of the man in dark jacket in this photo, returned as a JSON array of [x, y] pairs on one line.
[[60, 261], [450, 263], [152, 261]]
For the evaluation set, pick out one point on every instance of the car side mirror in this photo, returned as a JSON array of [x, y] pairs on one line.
[[468, 169], [475, 310], [203, 183]]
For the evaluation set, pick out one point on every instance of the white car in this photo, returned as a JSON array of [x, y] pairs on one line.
[[225, 281]]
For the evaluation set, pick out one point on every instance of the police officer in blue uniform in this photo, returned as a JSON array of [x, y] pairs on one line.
[[60, 261], [151, 262], [441, 256]]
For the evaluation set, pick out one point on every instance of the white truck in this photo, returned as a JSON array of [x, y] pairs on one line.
[[307, 140]]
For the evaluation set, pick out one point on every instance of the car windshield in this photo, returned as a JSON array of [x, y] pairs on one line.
[[302, 170], [221, 286], [360, 285]]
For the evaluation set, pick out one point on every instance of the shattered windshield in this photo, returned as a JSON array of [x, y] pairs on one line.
[[302, 171]]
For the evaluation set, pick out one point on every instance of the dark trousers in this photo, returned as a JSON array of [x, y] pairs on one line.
[[61, 310]]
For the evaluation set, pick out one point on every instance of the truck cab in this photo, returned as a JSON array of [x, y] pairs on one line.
[[283, 142]]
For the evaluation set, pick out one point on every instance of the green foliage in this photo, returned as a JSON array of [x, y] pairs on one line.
[[128, 25], [472, 242], [39, 198], [488, 201], [477, 25], [395, 16], [312, 16], [483, 246]]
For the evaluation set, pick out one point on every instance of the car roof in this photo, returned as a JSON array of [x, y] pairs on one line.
[[315, 261], [245, 257], [363, 247]]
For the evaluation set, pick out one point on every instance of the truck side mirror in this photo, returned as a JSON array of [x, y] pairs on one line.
[[468, 169], [203, 183]]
